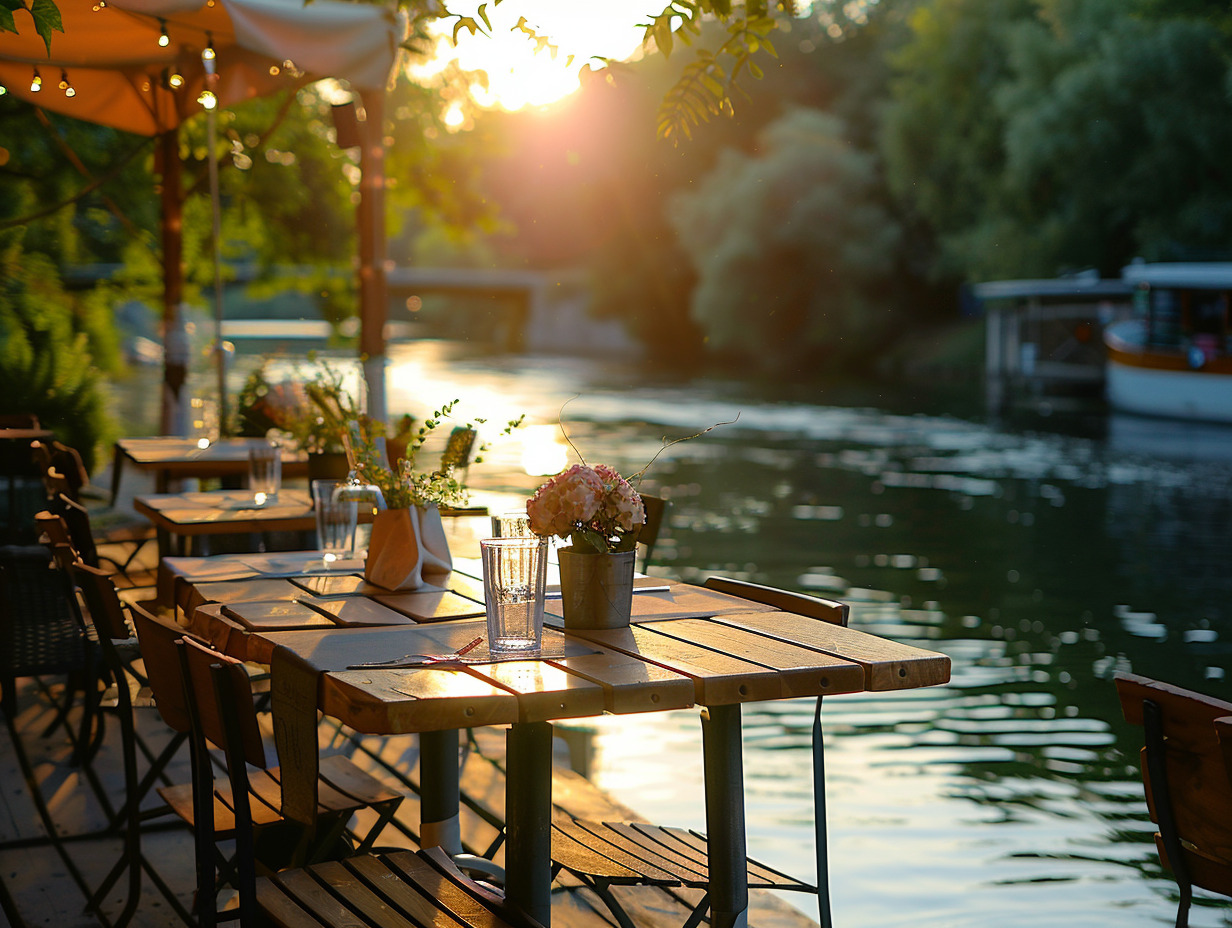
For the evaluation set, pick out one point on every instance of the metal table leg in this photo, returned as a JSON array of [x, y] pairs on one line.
[[439, 789], [528, 820], [724, 772]]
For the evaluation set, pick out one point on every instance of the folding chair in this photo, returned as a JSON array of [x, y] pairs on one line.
[[606, 854], [41, 634], [399, 889], [342, 787], [127, 692], [1185, 774]]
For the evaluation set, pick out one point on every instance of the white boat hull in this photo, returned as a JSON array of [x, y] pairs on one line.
[[1156, 382]]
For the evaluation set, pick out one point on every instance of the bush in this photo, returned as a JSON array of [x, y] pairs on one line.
[[45, 362]]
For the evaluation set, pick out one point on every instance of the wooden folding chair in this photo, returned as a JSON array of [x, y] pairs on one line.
[[342, 788], [606, 854], [400, 889], [656, 508], [128, 691], [1186, 776]]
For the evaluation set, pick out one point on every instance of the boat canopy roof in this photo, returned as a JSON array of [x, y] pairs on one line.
[[1195, 275], [1084, 286]]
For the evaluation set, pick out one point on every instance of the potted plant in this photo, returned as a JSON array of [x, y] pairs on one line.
[[601, 514], [408, 540]]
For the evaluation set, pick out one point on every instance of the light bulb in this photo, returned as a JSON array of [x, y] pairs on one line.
[[207, 53], [163, 39], [36, 82], [176, 80], [63, 80], [3, 90], [207, 99]]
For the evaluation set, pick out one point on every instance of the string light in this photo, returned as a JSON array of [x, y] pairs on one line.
[[176, 80], [3, 90], [163, 39], [207, 99], [36, 82], [69, 90], [207, 53]]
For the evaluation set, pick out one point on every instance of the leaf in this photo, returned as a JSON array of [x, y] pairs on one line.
[[483, 14], [46, 20], [755, 70], [6, 19], [464, 22]]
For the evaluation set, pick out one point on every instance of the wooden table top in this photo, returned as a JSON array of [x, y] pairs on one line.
[[183, 457], [688, 645], [215, 512]]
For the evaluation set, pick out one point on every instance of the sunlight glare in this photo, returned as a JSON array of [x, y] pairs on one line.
[[543, 453], [517, 75]]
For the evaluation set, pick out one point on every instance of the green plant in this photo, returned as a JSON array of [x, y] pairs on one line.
[[402, 485], [45, 362]]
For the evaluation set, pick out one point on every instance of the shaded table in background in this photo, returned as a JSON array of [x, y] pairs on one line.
[[170, 458]]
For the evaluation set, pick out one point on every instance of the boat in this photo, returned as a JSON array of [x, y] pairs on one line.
[[1173, 357]]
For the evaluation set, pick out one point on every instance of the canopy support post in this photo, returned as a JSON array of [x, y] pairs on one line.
[[173, 416], [373, 294]]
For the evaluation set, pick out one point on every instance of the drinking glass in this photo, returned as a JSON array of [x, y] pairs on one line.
[[336, 519], [264, 471], [514, 576], [511, 524]]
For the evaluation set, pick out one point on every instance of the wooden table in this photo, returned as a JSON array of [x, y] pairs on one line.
[[688, 646], [181, 517], [170, 458]]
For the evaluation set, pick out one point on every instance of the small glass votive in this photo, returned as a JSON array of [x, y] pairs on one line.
[[336, 520], [513, 524], [264, 471], [514, 578]]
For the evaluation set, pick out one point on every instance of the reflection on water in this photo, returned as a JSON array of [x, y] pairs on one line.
[[1041, 563]]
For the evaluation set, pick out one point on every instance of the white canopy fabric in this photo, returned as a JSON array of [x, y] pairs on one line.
[[110, 54]]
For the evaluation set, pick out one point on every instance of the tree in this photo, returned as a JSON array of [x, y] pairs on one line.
[[1039, 136], [791, 247]]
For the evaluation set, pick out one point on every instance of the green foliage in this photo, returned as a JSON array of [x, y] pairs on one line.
[[791, 246], [45, 13], [1036, 136], [45, 364]]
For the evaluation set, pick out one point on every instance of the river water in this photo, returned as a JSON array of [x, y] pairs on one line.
[[1040, 560]]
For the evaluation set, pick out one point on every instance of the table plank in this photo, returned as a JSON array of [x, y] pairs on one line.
[[803, 671], [395, 701], [545, 691], [431, 605], [679, 601], [888, 665], [630, 684], [331, 585], [718, 678], [357, 611]]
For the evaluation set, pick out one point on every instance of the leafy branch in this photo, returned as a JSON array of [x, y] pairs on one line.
[[45, 13]]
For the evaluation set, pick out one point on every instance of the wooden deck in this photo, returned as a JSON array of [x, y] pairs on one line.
[[41, 893]]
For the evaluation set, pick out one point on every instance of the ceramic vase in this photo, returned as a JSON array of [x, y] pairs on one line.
[[408, 549]]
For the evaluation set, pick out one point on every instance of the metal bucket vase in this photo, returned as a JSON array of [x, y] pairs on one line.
[[596, 589]]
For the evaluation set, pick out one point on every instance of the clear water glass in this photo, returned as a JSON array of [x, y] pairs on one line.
[[514, 578], [264, 471], [336, 519]]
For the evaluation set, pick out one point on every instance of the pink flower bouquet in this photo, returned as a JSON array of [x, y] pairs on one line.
[[593, 505]]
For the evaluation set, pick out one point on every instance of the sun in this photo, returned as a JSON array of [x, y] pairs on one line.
[[505, 69]]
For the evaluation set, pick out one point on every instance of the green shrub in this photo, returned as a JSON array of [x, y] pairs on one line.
[[45, 362]]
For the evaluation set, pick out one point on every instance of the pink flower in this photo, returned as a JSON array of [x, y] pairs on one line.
[[567, 500], [595, 500]]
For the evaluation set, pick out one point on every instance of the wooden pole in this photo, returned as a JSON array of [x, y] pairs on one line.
[[173, 420], [373, 292]]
